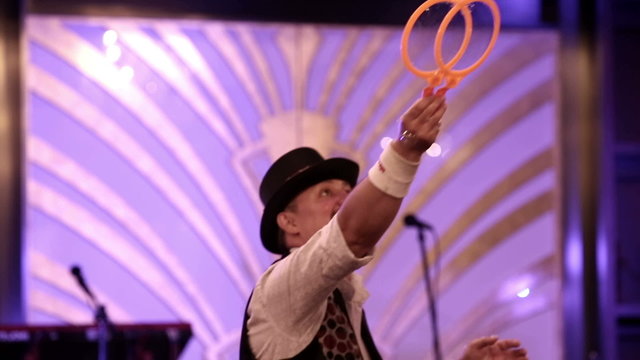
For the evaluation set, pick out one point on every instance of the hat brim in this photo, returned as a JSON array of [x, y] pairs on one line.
[[334, 168]]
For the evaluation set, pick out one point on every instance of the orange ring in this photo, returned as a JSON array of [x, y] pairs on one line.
[[468, 29], [448, 68], [436, 76], [404, 44]]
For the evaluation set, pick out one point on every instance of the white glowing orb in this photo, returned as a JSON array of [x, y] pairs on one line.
[[109, 38], [524, 293], [113, 53], [385, 141], [126, 73], [435, 150]]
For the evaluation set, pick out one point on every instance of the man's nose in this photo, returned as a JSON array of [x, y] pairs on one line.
[[342, 195]]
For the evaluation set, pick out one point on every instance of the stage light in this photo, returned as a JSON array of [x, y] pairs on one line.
[[126, 73], [109, 38], [113, 53], [524, 293], [385, 141], [435, 150]]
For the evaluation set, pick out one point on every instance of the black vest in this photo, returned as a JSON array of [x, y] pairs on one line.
[[313, 351]]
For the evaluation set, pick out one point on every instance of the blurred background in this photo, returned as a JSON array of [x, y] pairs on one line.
[[134, 135]]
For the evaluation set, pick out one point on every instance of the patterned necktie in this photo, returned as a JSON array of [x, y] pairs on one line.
[[336, 336]]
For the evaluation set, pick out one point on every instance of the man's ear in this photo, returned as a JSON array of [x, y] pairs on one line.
[[287, 222]]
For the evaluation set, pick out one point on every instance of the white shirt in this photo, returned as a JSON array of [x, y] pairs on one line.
[[289, 302]]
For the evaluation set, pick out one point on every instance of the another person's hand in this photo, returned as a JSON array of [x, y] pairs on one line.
[[420, 127], [490, 348]]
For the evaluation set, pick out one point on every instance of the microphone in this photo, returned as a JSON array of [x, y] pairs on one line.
[[77, 273], [411, 220]]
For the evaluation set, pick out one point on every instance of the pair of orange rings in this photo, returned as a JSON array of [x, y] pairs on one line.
[[445, 71]]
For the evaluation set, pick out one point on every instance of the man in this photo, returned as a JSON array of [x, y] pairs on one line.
[[308, 305]]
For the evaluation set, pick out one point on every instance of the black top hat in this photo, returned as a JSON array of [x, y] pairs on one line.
[[290, 175]]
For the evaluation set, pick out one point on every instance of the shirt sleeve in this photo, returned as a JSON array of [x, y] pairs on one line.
[[289, 301]]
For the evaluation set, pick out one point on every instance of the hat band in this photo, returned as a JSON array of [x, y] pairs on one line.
[[296, 173]]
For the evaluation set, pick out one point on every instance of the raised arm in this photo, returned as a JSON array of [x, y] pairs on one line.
[[373, 204]]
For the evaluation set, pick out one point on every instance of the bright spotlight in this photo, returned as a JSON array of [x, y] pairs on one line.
[[524, 293], [109, 38]]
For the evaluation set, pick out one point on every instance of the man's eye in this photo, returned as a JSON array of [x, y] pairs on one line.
[[325, 192]]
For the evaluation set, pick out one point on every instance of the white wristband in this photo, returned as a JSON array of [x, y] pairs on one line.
[[392, 173]]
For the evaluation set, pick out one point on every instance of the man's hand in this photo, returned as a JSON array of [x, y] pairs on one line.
[[420, 127], [490, 348]]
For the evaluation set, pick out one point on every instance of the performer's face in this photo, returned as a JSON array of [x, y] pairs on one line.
[[313, 208]]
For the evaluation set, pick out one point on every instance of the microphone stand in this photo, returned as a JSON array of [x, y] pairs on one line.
[[102, 322], [100, 316], [432, 304]]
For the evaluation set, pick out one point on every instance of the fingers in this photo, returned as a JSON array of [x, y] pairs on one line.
[[508, 343], [436, 102], [489, 347], [422, 123], [417, 109], [482, 342], [425, 106], [440, 111], [427, 124], [519, 354], [442, 91], [425, 110], [428, 91], [509, 349]]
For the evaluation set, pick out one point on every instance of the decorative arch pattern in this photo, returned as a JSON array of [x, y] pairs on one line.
[[144, 157]]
